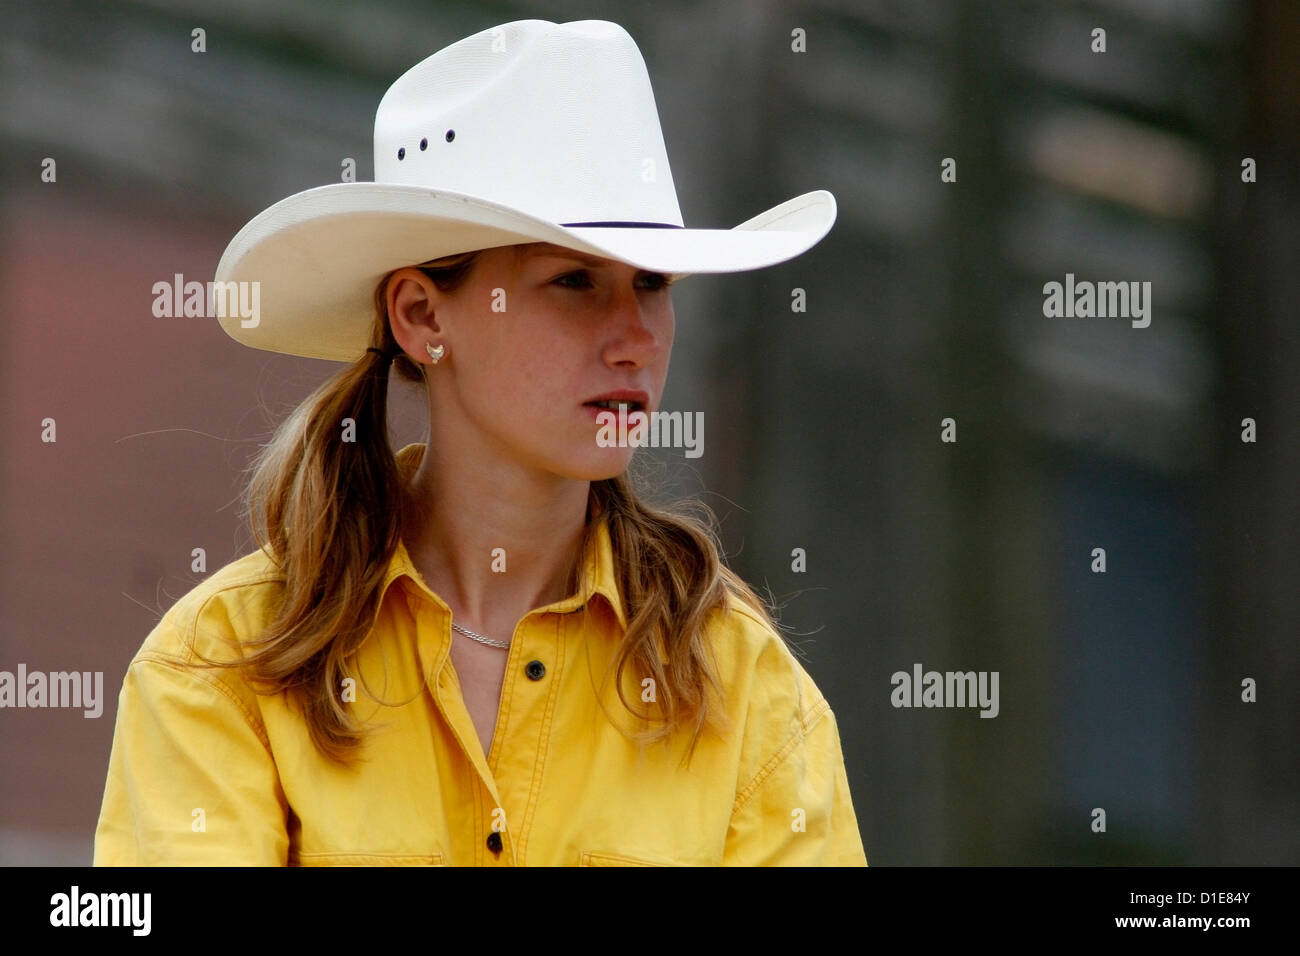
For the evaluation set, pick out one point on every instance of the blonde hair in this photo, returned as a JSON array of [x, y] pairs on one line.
[[330, 517]]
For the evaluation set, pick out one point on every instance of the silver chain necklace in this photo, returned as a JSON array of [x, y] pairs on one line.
[[478, 637]]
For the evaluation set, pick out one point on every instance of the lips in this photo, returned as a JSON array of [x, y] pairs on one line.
[[612, 401]]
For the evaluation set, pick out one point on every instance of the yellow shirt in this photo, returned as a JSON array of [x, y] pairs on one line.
[[204, 771]]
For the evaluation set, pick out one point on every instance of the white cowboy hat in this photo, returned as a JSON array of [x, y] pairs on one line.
[[527, 132]]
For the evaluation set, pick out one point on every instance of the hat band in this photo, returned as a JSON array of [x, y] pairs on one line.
[[625, 225]]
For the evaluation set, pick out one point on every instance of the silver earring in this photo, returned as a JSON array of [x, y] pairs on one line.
[[435, 353]]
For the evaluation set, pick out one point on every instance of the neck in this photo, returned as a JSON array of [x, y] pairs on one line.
[[463, 525]]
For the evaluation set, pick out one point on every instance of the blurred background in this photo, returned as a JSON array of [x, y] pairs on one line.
[[1119, 690]]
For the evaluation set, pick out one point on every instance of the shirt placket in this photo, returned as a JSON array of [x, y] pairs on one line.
[[434, 644], [521, 741], [510, 775]]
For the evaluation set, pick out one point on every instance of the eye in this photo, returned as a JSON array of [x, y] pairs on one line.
[[580, 274], [653, 281]]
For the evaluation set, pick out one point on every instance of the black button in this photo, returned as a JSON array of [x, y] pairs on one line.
[[424, 143], [451, 134], [401, 153], [494, 842], [535, 670]]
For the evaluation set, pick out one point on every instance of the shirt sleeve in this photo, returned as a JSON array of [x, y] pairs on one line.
[[798, 811], [191, 778]]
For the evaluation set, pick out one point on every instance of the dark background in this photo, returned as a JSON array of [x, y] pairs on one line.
[[1119, 690]]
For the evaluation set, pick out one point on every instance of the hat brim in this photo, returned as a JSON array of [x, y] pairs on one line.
[[318, 255]]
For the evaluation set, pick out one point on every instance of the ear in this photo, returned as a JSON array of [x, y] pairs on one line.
[[412, 300]]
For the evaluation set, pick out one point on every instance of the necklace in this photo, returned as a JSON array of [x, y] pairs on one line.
[[478, 637]]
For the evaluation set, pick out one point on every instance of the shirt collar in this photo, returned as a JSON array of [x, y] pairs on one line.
[[598, 574]]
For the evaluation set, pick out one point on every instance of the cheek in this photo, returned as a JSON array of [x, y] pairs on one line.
[[523, 366]]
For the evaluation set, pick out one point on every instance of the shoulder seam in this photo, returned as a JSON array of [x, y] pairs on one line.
[[188, 621], [807, 721], [253, 577], [175, 664]]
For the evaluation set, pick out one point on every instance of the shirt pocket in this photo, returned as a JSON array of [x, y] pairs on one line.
[[367, 859], [589, 858]]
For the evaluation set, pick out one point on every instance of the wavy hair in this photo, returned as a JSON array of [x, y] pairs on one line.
[[330, 518]]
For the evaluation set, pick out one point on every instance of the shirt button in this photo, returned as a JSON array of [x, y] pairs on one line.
[[535, 670], [494, 842]]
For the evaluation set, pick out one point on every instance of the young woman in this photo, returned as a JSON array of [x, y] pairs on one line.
[[484, 649]]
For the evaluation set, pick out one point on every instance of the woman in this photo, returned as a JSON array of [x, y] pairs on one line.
[[485, 649]]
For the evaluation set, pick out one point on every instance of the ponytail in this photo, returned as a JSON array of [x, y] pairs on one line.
[[325, 502]]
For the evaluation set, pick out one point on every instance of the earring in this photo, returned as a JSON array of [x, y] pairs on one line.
[[435, 353]]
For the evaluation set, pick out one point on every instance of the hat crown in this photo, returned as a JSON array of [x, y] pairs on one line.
[[556, 120]]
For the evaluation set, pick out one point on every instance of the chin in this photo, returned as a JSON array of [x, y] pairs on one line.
[[599, 467]]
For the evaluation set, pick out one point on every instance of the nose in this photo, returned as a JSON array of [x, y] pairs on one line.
[[634, 330]]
